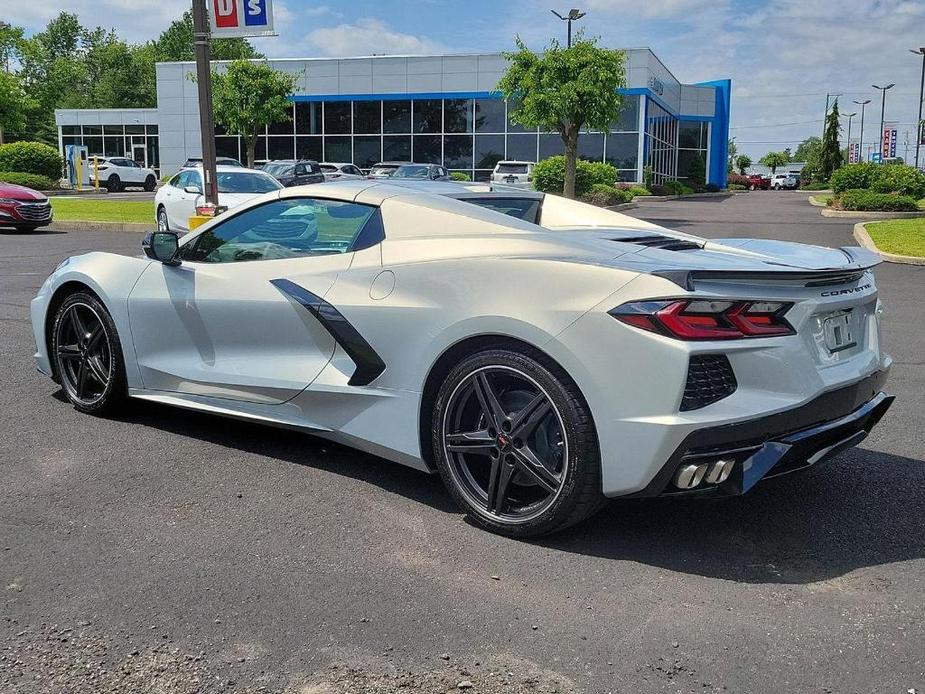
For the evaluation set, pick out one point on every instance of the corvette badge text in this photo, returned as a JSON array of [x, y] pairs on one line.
[[840, 292]]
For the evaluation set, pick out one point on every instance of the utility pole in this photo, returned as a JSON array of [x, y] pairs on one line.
[[825, 117], [6, 68], [862, 104], [201, 36], [883, 91], [919, 126], [573, 16], [849, 116]]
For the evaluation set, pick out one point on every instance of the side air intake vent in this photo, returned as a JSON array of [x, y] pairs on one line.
[[666, 243], [709, 379]]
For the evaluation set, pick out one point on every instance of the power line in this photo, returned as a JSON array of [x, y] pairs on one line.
[[774, 125]]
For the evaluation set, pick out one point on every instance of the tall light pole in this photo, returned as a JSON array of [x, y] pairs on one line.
[[573, 16], [827, 97], [201, 39], [919, 127], [883, 91], [862, 104], [849, 116]]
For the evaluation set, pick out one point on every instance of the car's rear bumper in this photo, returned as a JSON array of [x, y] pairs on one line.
[[780, 443]]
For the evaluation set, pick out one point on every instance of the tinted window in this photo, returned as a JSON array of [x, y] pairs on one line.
[[337, 117], [526, 209], [511, 168], [411, 172], [428, 115], [292, 228], [240, 182], [367, 117], [396, 116]]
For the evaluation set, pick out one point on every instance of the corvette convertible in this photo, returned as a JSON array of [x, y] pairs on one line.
[[538, 353]]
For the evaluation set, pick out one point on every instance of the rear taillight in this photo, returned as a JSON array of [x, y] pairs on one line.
[[706, 319]]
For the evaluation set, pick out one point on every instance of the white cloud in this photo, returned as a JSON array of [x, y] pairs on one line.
[[367, 36]]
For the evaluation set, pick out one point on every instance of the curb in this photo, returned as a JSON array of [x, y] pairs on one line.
[[863, 238], [622, 206], [829, 212], [101, 226], [812, 201]]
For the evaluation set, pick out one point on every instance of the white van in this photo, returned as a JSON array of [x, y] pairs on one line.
[[514, 173]]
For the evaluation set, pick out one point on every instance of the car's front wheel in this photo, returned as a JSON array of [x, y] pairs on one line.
[[162, 223], [150, 184], [515, 444], [114, 184], [88, 354]]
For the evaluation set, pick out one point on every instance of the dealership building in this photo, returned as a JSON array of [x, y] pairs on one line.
[[439, 108]]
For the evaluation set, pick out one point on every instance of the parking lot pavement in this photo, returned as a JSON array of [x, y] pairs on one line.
[[170, 551]]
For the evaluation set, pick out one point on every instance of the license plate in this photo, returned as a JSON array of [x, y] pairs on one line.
[[838, 332], [510, 179]]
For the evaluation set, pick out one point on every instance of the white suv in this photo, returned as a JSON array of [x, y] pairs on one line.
[[514, 173], [785, 180], [117, 173]]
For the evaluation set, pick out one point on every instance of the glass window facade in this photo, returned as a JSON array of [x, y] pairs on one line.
[[692, 150], [661, 143], [136, 141]]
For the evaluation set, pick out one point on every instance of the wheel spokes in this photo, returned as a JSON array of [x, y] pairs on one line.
[[498, 483], [80, 328], [536, 471], [69, 352], [526, 420], [488, 399], [470, 442], [97, 371]]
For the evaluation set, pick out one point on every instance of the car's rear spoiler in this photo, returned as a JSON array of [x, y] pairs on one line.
[[859, 261]]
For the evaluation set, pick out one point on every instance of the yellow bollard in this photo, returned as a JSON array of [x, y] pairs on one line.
[[197, 220]]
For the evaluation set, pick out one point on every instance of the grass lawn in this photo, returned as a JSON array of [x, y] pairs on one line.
[[77, 210], [900, 236], [824, 199]]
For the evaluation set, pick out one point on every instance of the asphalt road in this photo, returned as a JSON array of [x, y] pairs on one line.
[[167, 551]]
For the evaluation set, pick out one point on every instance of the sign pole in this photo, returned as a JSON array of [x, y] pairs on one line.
[[201, 37]]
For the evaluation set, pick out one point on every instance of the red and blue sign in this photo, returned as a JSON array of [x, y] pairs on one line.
[[235, 18]]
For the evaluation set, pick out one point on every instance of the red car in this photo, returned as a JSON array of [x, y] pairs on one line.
[[758, 182], [23, 208]]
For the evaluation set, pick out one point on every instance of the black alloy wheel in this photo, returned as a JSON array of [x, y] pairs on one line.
[[515, 445], [87, 354], [114, 184], [150, 184]]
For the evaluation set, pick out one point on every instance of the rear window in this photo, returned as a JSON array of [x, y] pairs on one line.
[[527, 209], [328, 168], [240, 182], [511, 169]]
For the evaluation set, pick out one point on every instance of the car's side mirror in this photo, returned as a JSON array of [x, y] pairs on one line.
[[161, 246], [193, 190]]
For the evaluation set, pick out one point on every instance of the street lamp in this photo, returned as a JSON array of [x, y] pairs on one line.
[[919, 128], [573, 16], [862, 104], [849, 116], [883, 110]]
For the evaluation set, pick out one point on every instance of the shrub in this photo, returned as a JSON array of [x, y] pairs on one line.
[[675, 187], [853, 176], [737, 179], [33, 158], [28, 180], [601, 172], [736, 186], [868, 200], [904, 180], [603, 195], [460, 176], [638, 190], [549, 176], [814, 185], [659, 189], [713, 188]]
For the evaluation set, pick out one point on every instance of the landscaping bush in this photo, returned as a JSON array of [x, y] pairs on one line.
[[904, 180], [659, 189], [853, 176], [32, 158], [814, 185], [868, 200], [737, 179], [460, 176], [549, 176], [604, 196], [637, 191], [675, 187], [28, 180], [736, 186], [601, 172], [713, 188]]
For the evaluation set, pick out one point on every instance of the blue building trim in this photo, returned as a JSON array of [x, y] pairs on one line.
[[719, 133]]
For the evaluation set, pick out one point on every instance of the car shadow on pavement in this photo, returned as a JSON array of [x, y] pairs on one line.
[[862, 509]]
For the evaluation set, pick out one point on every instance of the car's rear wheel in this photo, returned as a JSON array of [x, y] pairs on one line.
[[150, 183], [515, 444], [88, 354], [114, 183], [162, 223]]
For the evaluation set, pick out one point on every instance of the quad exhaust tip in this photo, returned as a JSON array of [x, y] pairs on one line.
[[715, 472]]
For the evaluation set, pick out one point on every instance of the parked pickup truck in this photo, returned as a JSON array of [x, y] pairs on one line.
[[758, 182]]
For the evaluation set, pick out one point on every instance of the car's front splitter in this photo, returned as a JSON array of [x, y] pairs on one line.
[[778, 444]]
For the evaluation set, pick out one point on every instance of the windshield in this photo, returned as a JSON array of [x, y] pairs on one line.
[[511, 168], [527, 209], [276, 168], [240, 182], [411, 172], [382, 170]]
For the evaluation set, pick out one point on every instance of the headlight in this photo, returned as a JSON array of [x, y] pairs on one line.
[[10, 201]]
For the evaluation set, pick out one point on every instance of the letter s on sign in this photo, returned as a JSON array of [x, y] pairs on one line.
[[253, 7]]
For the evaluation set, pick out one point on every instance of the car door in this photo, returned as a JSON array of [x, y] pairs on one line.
[[231, 320], [183, 203]]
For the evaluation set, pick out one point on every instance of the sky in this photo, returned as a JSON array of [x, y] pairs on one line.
[[783, 56]]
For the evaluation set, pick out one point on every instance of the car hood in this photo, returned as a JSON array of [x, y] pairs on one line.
[[9, 190], [230, 200]]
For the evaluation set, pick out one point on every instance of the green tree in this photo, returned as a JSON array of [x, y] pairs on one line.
[[732, 151], [248, 96], [565, 90], [15, 105], [808, 149], [830, 154], [774, 159], [176, 43], [743, 161]]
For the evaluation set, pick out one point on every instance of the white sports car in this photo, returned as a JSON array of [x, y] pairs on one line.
[[540, 354]]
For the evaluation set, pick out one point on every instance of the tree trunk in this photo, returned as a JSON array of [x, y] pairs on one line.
[[570, 136], [250, 142]]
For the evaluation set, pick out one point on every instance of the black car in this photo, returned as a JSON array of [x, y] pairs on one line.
[[292, 172], [422, 172]]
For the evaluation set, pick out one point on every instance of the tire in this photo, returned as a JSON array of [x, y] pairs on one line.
[[777, 186], [90, 368], [163, 224], [150, 184], [114, 183], [491, 471], [751, 186]]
